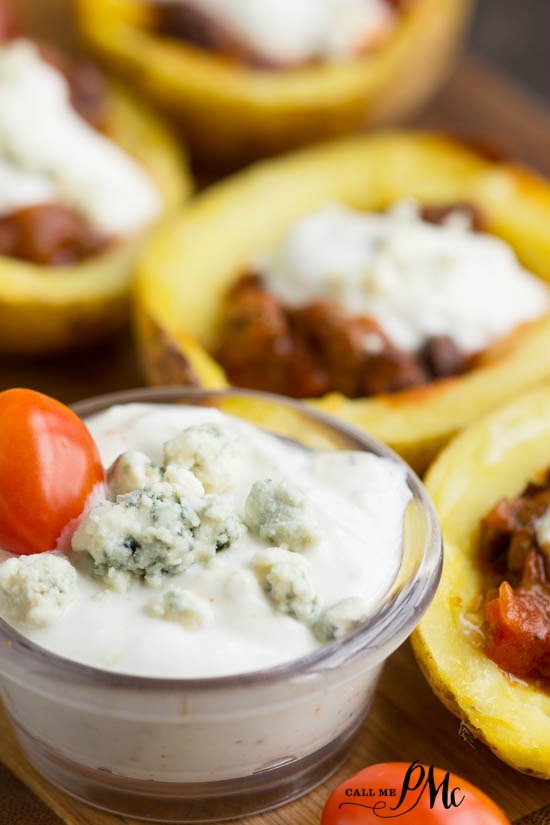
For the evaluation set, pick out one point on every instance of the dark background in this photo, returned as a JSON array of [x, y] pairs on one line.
[[514, 35]]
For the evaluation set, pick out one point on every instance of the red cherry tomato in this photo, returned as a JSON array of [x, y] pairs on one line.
[[49, 464], [409, 795]]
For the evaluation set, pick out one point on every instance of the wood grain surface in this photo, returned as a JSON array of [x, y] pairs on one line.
[[407, 722]]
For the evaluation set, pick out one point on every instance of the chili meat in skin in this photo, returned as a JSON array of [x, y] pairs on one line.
[[517, 605], [49, 234], [52, 234], [308, 352]]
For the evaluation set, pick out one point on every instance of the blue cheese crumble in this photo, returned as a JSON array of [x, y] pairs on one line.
[[147, 533], [183, 606], [340, 619], [132, 471], [155, 532], [278, 512], [286, 580], [210, 453], [37, 590]]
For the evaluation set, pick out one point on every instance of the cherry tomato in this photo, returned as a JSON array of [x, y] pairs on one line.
[[49, 464], [409, 795]]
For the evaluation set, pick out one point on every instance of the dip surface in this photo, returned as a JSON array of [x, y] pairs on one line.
[[355, 503]]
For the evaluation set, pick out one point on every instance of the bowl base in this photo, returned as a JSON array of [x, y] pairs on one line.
[[185, 802]]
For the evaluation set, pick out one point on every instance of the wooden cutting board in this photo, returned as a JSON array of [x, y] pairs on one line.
[[407, 722]]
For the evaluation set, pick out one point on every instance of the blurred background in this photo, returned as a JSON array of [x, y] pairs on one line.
[[514, 36], [509, 36]]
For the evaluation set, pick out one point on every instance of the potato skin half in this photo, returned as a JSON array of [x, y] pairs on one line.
[[231, 114], [46, 310], [187, 268], [493, 458]]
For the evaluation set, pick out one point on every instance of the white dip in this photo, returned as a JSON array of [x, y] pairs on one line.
[[232, 552], [48, 153], [415, 278], [295, 31]]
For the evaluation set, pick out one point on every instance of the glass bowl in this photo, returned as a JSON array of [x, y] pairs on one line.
[[205, 750]]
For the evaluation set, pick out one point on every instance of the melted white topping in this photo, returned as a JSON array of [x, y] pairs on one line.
[[294, 31], [326, 528], [49, 153], [415, 278]]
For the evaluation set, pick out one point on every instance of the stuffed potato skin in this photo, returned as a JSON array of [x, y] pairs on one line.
[[491, 459], [186, 270], [51, 309], [231, 114]]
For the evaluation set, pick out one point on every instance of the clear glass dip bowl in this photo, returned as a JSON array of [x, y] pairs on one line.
[[200, 750]]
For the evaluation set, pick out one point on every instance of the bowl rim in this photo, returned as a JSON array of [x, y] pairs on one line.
[[395, 619]]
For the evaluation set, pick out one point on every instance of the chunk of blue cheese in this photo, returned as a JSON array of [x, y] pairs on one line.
[[339, 619], [37, 590], [183, 606], [210, 453], [286, 581], [160, 519], [278, 512]]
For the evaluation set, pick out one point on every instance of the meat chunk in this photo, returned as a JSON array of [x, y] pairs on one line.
[[442, 357], [337, 343], [508, 531], [255, 342], [50, 235], [392, 371]]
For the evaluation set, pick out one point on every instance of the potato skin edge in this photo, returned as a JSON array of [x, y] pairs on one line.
[[231, 115]]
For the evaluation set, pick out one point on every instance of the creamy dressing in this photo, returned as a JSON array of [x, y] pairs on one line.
[[295, 31], [355, 500], [49, 153], [415, 278]]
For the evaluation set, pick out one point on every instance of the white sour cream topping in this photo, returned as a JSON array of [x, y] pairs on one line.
[[415, 278], [294, 31], [49, 153], [227, 614]]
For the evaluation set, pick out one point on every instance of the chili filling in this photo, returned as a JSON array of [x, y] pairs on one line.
[[52, 234], [308, 352], [517, 593], [185, 22], [49, 234]]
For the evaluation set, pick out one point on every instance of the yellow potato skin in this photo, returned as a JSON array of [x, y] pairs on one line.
[[189, 264], [50, 309], [493, 458], [231, 114]]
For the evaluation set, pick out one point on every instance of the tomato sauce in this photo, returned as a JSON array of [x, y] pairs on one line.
[[517, 604]]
